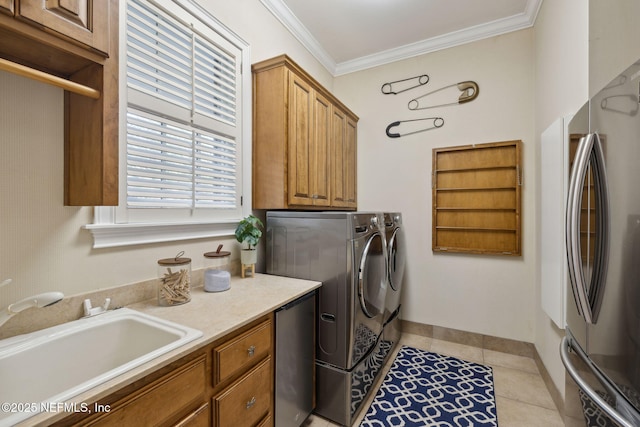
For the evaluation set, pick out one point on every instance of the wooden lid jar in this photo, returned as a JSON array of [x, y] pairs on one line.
[[174, 277], [217, 275]]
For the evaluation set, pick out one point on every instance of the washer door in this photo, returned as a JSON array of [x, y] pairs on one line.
[[371, 278], [397, 258]]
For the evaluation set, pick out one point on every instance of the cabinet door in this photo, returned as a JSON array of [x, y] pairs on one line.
[[300, 117], [351, 160], [319, 159], [85, 21], [343, 159], [7, 6]]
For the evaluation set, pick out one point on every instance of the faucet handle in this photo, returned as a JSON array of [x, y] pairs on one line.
[[94, 311], [5, 282]]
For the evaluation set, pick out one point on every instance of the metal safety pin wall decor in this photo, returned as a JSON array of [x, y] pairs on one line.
[[389, 89], [469, 91], [436, 122]]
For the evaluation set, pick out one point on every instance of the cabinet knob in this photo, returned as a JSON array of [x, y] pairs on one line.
[[251, 402], [251, 350]]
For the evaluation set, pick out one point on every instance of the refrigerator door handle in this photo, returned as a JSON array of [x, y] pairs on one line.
[[574, 199], [603, 226], [584, 386], [588, 296]]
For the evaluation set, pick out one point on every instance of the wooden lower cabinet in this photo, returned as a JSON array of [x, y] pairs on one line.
[[247, 401], [199, 418], [191, 392]]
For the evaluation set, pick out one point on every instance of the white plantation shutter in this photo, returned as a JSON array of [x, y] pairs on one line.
[[183, 118]]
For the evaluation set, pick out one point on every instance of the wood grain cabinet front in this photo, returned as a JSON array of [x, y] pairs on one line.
[[247, 401], [164, 400], [304, 141], [82, 21], [7, 6], [242, 352]]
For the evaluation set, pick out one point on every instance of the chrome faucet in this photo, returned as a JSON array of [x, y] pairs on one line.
[[41, 300]]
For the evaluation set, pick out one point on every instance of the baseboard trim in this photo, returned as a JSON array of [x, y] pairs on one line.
[[488, 342]]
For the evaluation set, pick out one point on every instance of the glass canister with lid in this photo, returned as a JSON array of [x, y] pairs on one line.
[[217, 277], [174, 275]]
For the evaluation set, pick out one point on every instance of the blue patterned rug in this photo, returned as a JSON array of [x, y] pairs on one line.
[[428, 389]]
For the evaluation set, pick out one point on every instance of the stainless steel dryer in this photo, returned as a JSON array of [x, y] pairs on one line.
[[396, 254], [346, 251]]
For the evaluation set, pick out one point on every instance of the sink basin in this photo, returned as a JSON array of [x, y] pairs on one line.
[[55, 364]]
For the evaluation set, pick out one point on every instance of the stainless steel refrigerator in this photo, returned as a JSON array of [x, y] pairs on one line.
[[601, 350]]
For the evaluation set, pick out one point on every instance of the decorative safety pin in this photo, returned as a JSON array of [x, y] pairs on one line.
[[469, 91], [387, 88], [438, 122], [625, 104]]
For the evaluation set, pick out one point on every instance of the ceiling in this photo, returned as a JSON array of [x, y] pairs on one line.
[[352, 35]]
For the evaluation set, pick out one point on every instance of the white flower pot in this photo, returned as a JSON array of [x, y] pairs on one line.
[[249, 256]]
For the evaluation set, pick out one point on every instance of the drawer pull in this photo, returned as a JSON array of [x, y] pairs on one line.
[[251, 402], [251, 350]]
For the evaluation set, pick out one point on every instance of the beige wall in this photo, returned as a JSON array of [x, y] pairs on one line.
[[491, 295]]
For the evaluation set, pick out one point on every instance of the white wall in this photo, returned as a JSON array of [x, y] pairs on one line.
[[613, 40], [562, 61], [492, 295], [42, 244]]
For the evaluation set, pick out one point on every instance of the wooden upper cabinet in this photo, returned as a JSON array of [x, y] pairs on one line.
[[300, 99], [309, 135], [304, 141], [83, 21], [319, 153], [76, 40], [343, 160]]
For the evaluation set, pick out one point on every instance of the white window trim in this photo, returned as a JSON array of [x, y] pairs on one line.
[[107, 233]]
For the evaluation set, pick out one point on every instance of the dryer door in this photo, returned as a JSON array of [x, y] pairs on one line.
[[397, 257], [372, 276]]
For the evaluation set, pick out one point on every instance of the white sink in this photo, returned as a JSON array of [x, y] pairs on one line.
[[55, 364]]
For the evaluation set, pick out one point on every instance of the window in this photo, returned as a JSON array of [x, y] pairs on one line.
[[185, 124]]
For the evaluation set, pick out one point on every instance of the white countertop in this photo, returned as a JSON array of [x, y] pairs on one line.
[[216, 314]]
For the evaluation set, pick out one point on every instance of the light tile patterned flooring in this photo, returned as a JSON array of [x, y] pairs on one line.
[[522, 398]]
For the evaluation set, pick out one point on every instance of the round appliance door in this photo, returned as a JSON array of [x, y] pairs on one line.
[[397, 257], [371, 278]]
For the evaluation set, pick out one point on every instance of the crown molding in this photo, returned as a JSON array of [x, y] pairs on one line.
[[282, 12], [502, 26]]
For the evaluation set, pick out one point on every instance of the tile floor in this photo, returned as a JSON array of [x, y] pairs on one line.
[[522, 398]]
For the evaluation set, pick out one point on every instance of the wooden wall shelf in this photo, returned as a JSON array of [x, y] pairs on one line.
[[476, 198]]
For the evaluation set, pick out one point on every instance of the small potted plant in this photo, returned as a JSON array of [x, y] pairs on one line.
[[248, 231]]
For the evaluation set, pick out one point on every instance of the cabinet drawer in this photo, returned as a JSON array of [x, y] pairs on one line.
[[198, 418], [241, 352], [267, 422], [247, 401], [162, 400]]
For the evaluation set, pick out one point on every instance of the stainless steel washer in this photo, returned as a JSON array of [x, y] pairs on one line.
[[347, 252]]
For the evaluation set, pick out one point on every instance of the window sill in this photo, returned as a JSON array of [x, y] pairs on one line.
[[114, 235]]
